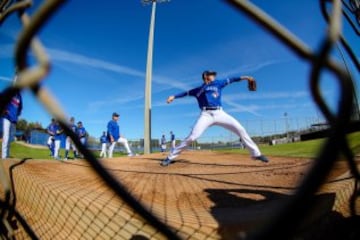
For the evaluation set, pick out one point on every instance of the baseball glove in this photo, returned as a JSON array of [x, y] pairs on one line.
[[252, 85]]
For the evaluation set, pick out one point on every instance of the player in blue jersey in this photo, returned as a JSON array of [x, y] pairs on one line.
[[10, 117], [208, 96], [172, 141], [57, 140], [163, 143], [68, 142], [103, 142], [81, 133], [51, 129], [113, 133]]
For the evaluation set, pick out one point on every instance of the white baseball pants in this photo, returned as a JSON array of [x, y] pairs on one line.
[[121, 140], [103, 150], [172, 145], [218, 117], [69, 144], [50, 139], [57, 148], [8, 133]]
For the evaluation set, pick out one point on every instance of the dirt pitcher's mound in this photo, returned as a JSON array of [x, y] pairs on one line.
[[203, 195]]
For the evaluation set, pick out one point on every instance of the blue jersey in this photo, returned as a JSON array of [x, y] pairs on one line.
[[172, 137], [103, 139], [208, 95], [13, 109], [113, 130], [51, 129], [81, 132], [58, 132]]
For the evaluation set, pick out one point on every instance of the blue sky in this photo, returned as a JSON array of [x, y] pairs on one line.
[[98, 57]]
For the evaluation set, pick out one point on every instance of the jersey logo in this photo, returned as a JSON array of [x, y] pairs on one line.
[[215, 94], [15, 101]]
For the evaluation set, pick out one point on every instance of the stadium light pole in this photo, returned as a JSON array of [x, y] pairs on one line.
[[147, 109]]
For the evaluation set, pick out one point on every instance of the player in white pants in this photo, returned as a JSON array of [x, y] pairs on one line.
[[57, 140], [163, 143], [51, 129], [9, 130], [208, 96], [113, 131], [10, 117], [68, 142], [103, 142], [172, 141], [124, 142]]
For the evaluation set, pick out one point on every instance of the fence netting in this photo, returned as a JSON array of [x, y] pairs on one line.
[[114, 213]]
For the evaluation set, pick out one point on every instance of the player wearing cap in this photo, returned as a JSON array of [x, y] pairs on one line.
[[113, 132], [163, 143], [81, 133], [103, 142], [57, 140], [51, 129], [208, 96], [68, 142], [172, 141]]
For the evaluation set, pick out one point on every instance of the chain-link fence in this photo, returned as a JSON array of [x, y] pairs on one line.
[[116, 214]]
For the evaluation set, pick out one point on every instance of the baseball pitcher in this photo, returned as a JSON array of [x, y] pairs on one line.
[[208, 96]]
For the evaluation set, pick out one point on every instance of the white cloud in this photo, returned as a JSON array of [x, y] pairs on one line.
[[250, 68], [270, 95], [96, 105], [7, 79], [242, 108], [65, 56]]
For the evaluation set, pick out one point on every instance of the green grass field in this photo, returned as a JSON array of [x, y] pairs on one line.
[[306, 149], [21, 151]]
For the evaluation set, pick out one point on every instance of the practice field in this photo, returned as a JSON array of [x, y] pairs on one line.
[[203, 195]]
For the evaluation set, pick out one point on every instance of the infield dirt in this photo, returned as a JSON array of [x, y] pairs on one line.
[[203, 195]]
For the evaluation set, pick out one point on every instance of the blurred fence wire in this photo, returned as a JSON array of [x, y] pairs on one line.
[[290, 217], [32, 77]]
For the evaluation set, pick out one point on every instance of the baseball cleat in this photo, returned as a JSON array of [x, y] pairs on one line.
[[262, 158], [165, 162]]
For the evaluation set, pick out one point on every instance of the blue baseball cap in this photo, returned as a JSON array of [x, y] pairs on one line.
[[115, 114], [207, 73]]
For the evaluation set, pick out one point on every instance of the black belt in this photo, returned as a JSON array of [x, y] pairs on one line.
[[211, 108]]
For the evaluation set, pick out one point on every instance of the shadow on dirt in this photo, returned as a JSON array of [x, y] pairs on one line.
[[239, 211]]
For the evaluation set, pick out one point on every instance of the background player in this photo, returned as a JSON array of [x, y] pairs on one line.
[[172, 141], [113, 132], [51, 130], [208, 96], [68, 142], [57, 140], [103, 141], [81, 133], [10, 117], [163, 143]]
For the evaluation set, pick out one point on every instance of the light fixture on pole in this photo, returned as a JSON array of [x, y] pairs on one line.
[[147, 108]]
